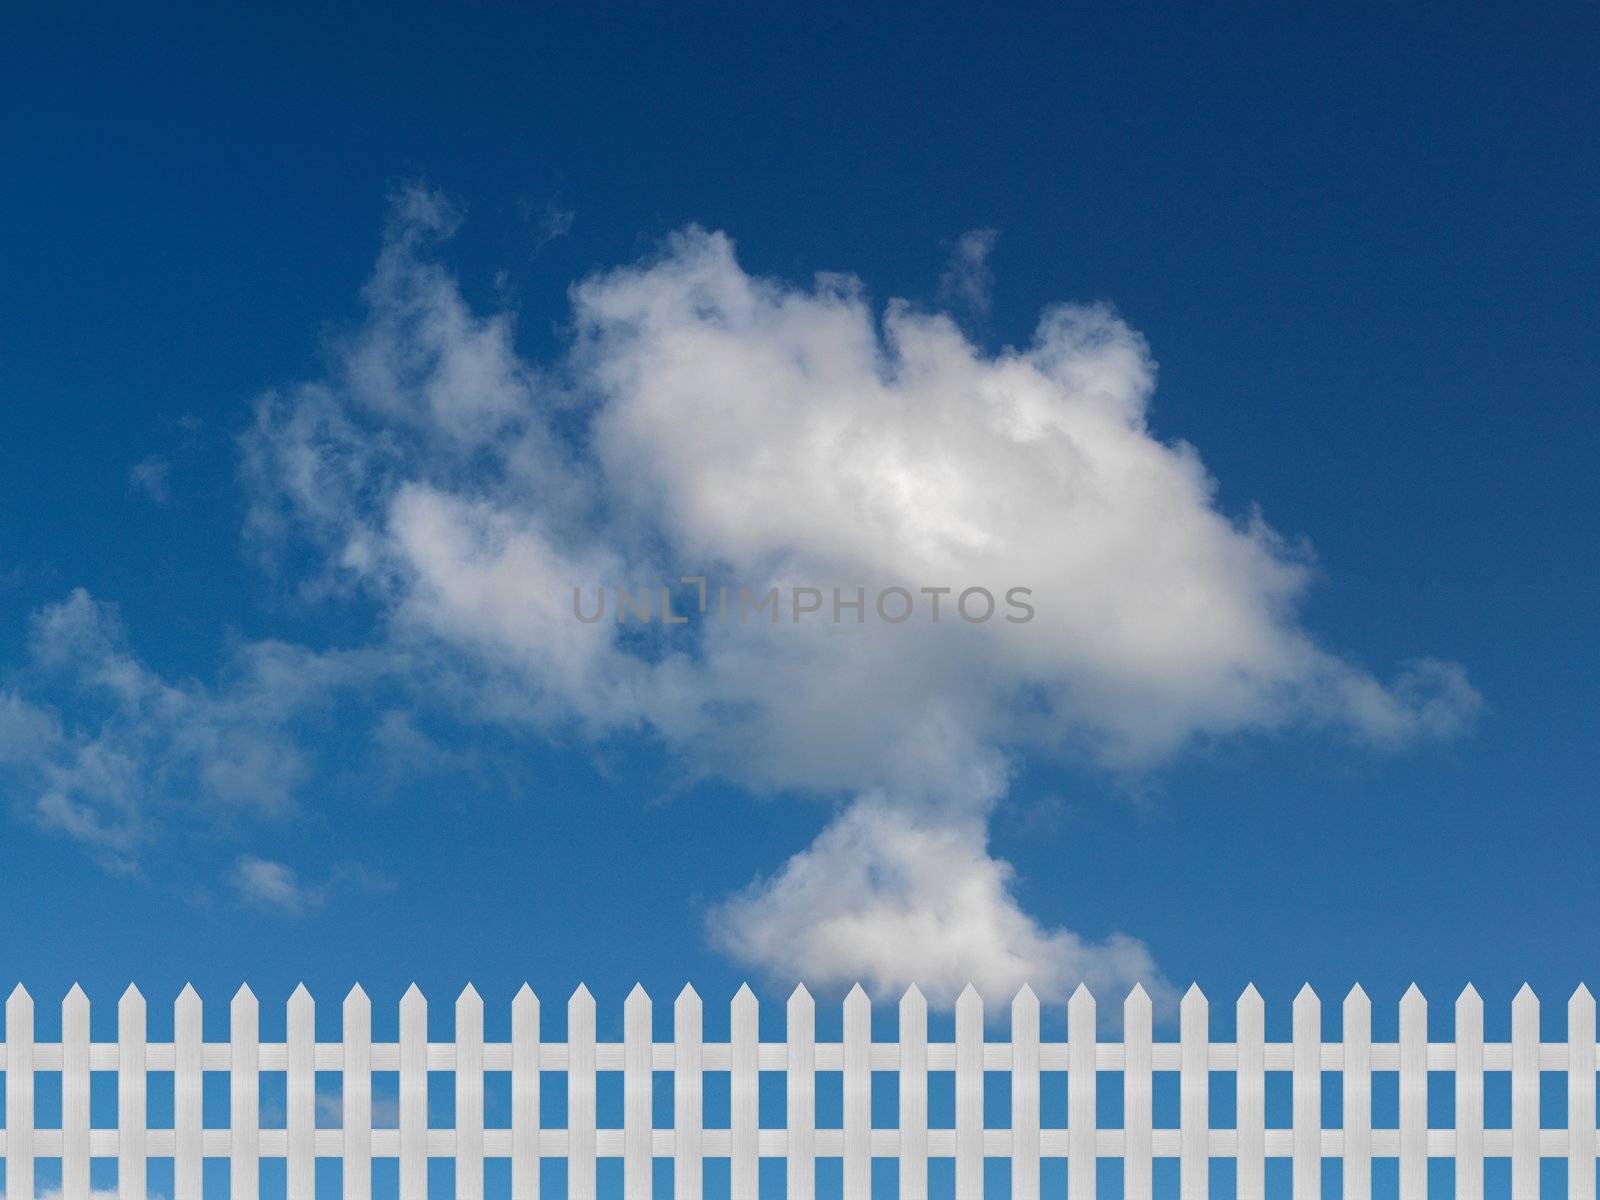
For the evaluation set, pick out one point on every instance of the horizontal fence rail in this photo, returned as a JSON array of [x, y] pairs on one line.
[[688, 1143]]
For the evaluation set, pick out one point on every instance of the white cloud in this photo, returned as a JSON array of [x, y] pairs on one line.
[[884, 897], [762, 433], [711, 422]]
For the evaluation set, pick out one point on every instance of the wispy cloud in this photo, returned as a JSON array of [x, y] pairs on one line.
[[967, 282], [110, 750], [274, 885]]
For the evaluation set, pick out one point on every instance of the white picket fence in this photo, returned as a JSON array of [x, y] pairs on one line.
[[688, 1057]]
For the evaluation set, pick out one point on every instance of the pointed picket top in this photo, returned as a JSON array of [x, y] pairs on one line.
[[75, 1000], [1525, 1014], [186, 997], [857, 1014], [1081, 1003], [1469, 997], [413, 994], [801, 1001], [1250, 996], [301, 1004], [19, 995], [968, 1002], [132, 1001], [1580, 1018], [913, 1005], [356, 998], [525, 1008], [1026, 1001], [1356, 997], [469, 999], [688, 1001], [1192, 999], [744, 997], [1307, 1005], [244, 998], [1413, 996], [637, 1007], [581, 1001], [1138, 1003]]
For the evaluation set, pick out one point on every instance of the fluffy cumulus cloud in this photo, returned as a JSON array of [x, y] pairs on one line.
[[861, 459], [761, 434]]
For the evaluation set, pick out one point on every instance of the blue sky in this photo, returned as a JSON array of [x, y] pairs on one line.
[[1359, 245]]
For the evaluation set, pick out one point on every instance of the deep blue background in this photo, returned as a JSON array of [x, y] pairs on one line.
[[1362, 241]]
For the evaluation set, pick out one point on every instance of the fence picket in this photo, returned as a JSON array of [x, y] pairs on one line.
[[857, 1096], [1250, 1094], [1357, 1095], [969, 1095], [188, 1094], [1025, 1095], [525, 1095], [1580, 1095], [1137, 1108], [301, 1094], [1307, 1095], [636, 1077], [744, 1093], [687, 1102], [1413, 1095], [1525, 1093], [1194, 1089], [19, 1092], [131, 1116], [1081, 1072], [800, 1095], [580, 1095], [469, 1095], [244, 1095], [798, 1055], [1469, 1095], [356, 1094], [75, 1095], [913, 1095], [413, 1095]]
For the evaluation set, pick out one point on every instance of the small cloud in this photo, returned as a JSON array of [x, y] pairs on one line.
[[967, 281], [276, 886], [273, 885], [150, 475]]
